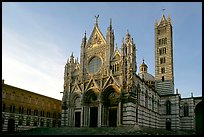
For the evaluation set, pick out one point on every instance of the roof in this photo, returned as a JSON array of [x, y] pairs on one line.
[[146, 76]]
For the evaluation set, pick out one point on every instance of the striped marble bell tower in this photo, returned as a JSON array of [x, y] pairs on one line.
[[164, 77]]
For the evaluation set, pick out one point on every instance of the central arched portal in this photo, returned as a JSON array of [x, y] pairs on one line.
[[91, 102], [110, 114]]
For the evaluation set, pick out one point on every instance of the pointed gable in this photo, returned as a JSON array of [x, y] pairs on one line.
[[96, 38], [92, 83], [116, 55], [163, 20]]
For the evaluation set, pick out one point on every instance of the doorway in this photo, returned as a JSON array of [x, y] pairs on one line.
[[11, 125], [198, 118], [93, 116], [77, 119], [168, 125], [112, 117]]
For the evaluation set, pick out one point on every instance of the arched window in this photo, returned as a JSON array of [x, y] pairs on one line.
[[185, 111], [146, 99], [153, 103], [168, 107], [138, 94], [19, 110]]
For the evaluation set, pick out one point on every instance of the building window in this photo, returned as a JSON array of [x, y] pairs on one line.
[[136, 115], [22, 110], [54, 115], [19, 110], [4, 107], [168, 107], [162, 70], [48, 114], [186, 112], [12, 109], [94, 65], [28, 111]]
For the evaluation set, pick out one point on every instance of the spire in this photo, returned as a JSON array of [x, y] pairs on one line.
[[156, 23], [110, 23], [85, 34], [116, 46], [84, 39], [163, 19], [169, 19], [127, 39], [72, 55], [72, 58], [68, 60]]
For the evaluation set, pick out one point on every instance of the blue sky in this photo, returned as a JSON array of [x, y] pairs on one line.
[[38, 38]]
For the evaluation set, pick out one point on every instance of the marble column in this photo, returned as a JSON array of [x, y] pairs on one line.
[[99, 114], [119, 114]]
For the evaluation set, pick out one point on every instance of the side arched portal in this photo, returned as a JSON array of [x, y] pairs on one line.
[[110, 110], [198, 118]]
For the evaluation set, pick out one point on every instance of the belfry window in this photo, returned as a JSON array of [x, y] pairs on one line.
[[162, 60], [162, 70]]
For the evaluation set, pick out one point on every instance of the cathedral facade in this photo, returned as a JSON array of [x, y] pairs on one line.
[[103, 89]]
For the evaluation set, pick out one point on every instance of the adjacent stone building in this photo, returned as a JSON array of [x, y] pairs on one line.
[[104, 88], [23, 109]]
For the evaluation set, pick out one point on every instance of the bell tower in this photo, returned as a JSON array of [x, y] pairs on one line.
[[164, 77]]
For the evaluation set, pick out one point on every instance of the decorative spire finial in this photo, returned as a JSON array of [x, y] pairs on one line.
[[163, 11], [96, 19], [85, 34], [116, 46]]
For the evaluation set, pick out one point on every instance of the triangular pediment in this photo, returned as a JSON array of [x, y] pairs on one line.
[[76, 88], [111, 80], [92, 83], [96, 38], [163, 20], [116, 55]]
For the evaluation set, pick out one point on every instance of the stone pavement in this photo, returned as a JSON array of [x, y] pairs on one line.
[[99, 131]]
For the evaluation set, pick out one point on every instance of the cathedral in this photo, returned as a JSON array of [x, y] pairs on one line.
[[105, 90]]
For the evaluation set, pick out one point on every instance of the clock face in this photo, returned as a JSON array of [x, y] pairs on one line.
[[94, 65]]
